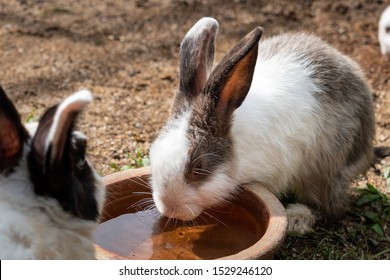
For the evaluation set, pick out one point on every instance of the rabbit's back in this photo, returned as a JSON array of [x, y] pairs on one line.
[[307, 118]]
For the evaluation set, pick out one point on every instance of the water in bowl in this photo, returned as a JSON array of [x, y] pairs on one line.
[[146, 235]]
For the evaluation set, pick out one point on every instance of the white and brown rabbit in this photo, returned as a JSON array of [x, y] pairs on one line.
[[291, 112], [50, 196]]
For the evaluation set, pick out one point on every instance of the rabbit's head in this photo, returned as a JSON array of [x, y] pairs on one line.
[[49, 169], [192, 159]]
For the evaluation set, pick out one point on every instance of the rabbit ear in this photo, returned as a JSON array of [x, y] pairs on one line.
[[12, 134], [231, 80], [54, 131], [196, 56], [57, 164]]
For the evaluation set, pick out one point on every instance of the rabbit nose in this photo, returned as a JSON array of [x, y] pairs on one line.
[[163, 207], [175, 211]]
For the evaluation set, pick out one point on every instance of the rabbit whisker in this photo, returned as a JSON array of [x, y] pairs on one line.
[[200, 143], [141, 182], [145, 183], [151, 207], [206, 155], [200, 171], [215, 218], [143, 201], [189, 208], [169, 221], [142, 193]]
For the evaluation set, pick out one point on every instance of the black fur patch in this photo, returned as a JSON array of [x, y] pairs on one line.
[[72, 184], [210, 141], [68, 179]]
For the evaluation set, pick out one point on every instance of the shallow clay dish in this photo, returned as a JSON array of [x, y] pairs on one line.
[[252, 226]]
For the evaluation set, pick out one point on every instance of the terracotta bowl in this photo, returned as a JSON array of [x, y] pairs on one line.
[[126, 188]]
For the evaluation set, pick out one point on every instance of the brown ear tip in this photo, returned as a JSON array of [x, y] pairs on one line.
[[253, 37], [257, 32]]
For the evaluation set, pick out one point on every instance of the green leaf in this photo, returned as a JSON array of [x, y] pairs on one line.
[[113, 165], [378, 229], [368, 198], [374, 217], [31, 117], [372, 189], [139, 153], [373, 241], [126, 167], [386, 211]]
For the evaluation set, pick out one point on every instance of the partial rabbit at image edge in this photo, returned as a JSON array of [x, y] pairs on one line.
[[50, 196]]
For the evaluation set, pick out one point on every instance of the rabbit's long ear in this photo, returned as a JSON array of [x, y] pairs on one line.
[[196, 56], [56, 162], [231, 80], [13, 135], [53, 135]]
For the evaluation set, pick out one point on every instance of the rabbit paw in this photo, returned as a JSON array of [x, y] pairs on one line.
[[300, 218]]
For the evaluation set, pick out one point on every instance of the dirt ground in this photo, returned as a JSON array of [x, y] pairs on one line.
[[126, 53]]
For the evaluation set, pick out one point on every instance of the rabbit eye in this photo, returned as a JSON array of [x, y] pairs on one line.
[[197, 172], [387, 29]]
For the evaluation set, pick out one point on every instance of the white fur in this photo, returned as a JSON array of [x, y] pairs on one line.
[[281, 107], [384, 37], [170, 145], [278, 119], [300, 218], [200, 26], [31, 128]]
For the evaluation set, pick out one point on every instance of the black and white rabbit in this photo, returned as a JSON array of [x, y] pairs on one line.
[[50, 196], [291, 112]]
